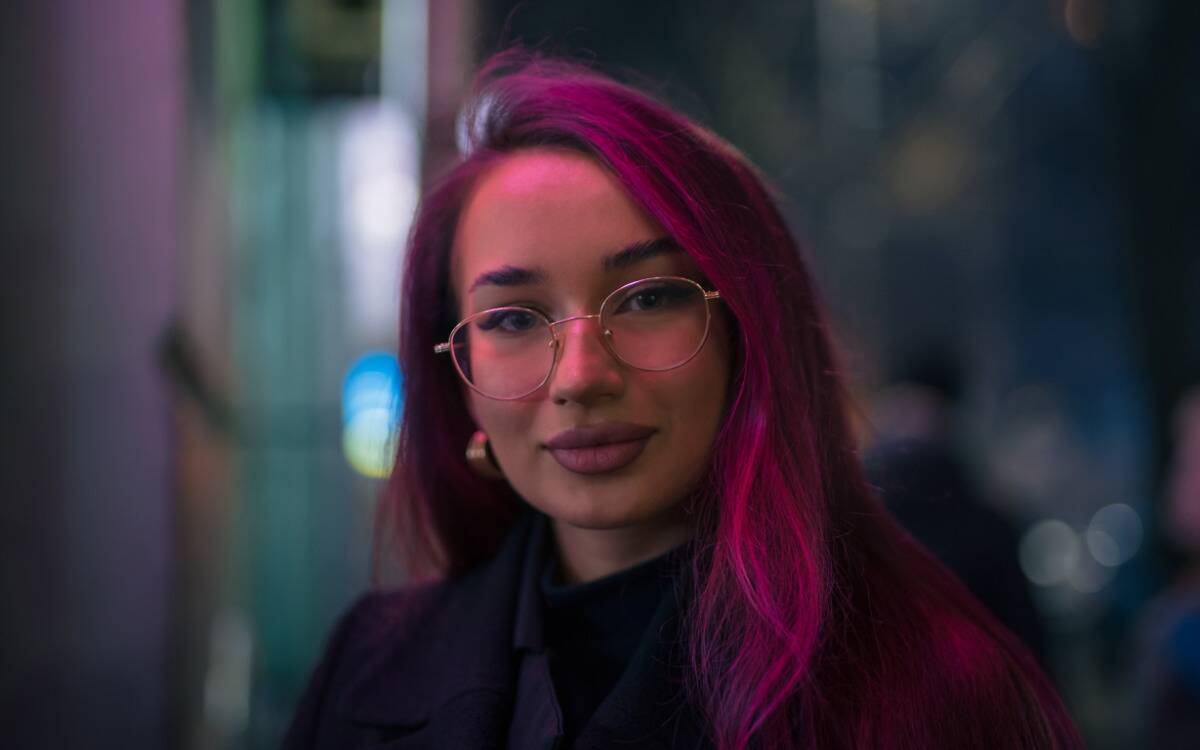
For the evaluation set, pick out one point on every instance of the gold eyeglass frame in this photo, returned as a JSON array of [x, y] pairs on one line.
[[555, 343]]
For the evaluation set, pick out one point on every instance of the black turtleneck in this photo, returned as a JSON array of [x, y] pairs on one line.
[[592, 629]]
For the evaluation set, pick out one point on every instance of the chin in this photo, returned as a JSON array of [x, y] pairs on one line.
[[597, 510], [592, 516]]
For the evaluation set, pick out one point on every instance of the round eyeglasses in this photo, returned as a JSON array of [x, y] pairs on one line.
[[654, 324]]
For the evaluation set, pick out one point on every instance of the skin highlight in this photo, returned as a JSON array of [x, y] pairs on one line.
[[560, 211]]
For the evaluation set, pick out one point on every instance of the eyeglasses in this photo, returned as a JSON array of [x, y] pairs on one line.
[[654, 324]]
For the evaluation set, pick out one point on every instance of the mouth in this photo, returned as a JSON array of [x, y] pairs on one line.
[[599, 459]]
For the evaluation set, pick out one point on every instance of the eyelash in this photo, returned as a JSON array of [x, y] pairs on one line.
[[530, 305]]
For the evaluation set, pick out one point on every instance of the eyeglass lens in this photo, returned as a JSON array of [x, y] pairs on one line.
[[657, 324]]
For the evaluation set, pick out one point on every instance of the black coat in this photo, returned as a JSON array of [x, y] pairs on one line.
[[451, 679]]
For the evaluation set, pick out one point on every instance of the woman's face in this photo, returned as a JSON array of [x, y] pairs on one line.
[[559, 215]]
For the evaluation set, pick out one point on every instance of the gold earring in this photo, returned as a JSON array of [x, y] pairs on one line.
[[480, 459]]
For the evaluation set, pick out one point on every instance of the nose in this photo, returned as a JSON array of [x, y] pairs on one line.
[[584, 369]]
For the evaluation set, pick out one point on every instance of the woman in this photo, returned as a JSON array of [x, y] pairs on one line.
[[659, 534]]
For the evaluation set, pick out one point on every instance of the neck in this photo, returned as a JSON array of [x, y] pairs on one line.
[[587, 554]]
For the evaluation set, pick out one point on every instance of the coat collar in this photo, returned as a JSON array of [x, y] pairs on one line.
[[460, 648], [456, 639]]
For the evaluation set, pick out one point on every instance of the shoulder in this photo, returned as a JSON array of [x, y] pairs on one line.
[[388, 614], [376, 624], [378, 617], [394, 657], [941, 670], [981, 687]]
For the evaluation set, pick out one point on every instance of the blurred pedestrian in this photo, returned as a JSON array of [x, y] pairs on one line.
[[918, 466], [1167, 662]]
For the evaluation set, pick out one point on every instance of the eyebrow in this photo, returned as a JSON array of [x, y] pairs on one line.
[[623, 258]]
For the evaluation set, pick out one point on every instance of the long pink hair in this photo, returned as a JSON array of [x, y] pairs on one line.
[[814, 620]]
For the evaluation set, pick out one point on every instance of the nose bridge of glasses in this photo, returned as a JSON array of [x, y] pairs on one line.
[[561, 321], [560, 336], [586, 330]]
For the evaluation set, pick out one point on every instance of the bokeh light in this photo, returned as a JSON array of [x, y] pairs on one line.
[[1049, 552], [371, 406], [1114, 534]]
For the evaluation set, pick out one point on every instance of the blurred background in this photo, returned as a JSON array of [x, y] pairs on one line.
[[204, 210]]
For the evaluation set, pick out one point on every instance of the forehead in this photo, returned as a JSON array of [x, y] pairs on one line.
[[554, 210]]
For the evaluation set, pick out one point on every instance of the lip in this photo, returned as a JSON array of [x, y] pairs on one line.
[[605, 433], [595, 449], [598, 459]]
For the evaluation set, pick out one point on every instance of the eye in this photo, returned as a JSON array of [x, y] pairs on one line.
[[509, 320], [657, 297]]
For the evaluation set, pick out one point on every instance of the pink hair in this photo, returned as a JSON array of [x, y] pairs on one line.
[[815, 620]]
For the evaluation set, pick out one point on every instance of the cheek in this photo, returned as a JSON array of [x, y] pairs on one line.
[[695, 401], [509, 427], [717, 390], [720, 352]]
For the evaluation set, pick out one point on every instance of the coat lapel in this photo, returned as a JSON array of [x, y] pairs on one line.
[[447, 678], [446, 681]]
